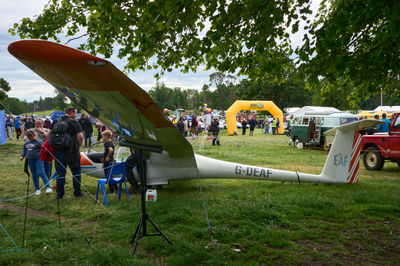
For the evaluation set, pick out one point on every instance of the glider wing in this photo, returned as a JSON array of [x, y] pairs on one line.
[[106, 93]]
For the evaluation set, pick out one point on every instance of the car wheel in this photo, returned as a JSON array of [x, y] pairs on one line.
[[373, 159]]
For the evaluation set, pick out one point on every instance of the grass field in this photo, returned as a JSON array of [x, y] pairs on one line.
[[254, 222], [44, 113]]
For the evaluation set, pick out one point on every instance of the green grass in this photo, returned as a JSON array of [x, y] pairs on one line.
[[45, 113], [254, 222]]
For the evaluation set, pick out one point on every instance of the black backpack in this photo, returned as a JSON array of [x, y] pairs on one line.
[[59, 137]]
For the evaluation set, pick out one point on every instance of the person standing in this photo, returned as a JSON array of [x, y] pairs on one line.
[[42, 133], [291, 121], [278, 125], [100, 128], [244, 126], [266, 125], [87, 129], [17, 124], [69, 154], [29, 124], [186, 126], [214, 129], [80, 121], [47, 123], [274, 122], [31, 151], [252, 124], [385, 126], [9, 126], [108, 156], [193, 126], [180, 126]]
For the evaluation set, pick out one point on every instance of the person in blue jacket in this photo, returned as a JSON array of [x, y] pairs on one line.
[[385, 126], [17, 125]]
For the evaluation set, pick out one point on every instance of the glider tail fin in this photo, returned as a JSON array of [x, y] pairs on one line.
[[342, 164]]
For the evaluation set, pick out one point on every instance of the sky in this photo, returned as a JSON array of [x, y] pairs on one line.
[[26, 85]]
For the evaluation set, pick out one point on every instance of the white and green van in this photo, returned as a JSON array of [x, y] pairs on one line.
[[309, 129]]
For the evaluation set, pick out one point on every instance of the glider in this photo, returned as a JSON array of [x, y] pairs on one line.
[[106, 93]]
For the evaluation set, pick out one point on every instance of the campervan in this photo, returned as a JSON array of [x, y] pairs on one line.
[[309, 128]]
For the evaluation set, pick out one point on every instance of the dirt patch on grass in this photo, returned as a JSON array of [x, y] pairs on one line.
[[31, 212], [376, 243]]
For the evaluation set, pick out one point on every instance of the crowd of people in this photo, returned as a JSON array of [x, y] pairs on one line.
[[270, 126], [188, 126], [21, 125], [39, 152]]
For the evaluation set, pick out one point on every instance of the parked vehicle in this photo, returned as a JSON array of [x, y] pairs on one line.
[[381, 147], [308, 129]]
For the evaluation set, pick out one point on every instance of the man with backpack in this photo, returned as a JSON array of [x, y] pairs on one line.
[[66, 138]]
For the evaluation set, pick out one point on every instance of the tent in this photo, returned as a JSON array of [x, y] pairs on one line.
[[388, 109], [56, 114], [388, 115], [291, 110], [369, 115], [321, 109]]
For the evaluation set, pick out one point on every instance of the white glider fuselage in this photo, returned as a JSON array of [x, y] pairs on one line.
[[341, 166]]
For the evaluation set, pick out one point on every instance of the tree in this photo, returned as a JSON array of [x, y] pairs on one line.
[[161, 95], [227, 35], [60, 101], [338, 94], [358, 41], [4, 87], [353, 40], [16, 106], [192, 97], [290, 93], [225, 93], [178, 99]]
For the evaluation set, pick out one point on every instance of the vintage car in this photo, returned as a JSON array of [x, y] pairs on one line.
[[309, 129], [381, 147]]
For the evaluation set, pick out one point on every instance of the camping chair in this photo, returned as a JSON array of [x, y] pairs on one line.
[[115, 169]]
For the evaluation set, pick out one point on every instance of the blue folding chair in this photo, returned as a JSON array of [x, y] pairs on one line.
[[115, 169]]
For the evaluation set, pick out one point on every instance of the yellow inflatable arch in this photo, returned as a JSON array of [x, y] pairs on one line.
[[251, 105]]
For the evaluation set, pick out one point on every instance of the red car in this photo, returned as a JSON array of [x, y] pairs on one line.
[[380, 147]]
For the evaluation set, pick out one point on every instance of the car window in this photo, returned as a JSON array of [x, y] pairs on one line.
[[397, 123], [305, 121]]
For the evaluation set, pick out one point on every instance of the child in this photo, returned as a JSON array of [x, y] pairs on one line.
[[108, 156], [31, 150]]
